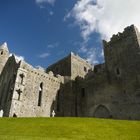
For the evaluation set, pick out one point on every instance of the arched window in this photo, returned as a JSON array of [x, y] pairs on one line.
[[118, 71], [83, 92], [21, 78], [19, 94], [40, 94], [85, 69]]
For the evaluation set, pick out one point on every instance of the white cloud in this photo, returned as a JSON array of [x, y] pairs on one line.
[[107, 17], [45, 1], [92, 56], [54, 45], [44, 55]]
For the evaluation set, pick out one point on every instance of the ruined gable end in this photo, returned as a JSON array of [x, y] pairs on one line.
[[4, 55]]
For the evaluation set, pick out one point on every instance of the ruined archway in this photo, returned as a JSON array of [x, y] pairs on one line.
[[101, 112]]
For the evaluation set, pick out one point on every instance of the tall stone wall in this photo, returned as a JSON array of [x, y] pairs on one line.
[[7, 83], [109, 90], [62, 67], [35, 93], [79, 66], [113, 88], [71, 66]]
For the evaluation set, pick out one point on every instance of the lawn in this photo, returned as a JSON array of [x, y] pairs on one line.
[[68, 129]]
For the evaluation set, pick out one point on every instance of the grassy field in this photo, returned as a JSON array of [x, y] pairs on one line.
[[68, 129]]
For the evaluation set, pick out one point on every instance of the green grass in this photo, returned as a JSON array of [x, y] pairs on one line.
[[68, 129]]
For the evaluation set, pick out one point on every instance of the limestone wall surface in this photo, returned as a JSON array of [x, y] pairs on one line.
[[7, 83], [30, 103]]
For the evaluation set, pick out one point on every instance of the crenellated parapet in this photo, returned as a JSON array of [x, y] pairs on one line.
[[128, 31]]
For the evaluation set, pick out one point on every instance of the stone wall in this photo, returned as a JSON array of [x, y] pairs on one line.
[[72, 66], [79, 66], [109, 90], [34, 95], [7, 83], [62, 67], [113, 88]]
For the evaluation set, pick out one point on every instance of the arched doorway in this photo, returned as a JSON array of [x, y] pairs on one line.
[[101, 112]]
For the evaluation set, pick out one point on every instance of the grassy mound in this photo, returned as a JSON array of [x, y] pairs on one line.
[[68, 129]]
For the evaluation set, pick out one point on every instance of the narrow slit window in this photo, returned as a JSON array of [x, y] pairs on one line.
[[21, 78], [83, 92], [58, 100], [19, 94], [40, 94], [85, 69], [118, 71]]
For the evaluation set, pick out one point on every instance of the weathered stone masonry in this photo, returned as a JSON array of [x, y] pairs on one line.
[[73, 87]]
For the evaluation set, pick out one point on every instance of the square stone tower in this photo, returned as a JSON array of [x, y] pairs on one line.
[[72, 66]]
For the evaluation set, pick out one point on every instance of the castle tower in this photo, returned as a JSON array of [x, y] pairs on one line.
[[4, 55], [122, 60], [122, 53], [72, 66]]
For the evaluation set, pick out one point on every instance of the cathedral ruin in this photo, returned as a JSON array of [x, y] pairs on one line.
[[72, 87]]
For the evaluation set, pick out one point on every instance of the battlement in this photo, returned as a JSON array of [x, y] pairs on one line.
[[130, 30]]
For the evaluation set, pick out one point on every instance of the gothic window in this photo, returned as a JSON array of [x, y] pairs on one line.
[[85, 69], [19, 94], [40, 94], [118, 71], [83, 92], [21, 78]]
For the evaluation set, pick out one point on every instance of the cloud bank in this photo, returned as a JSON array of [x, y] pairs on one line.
[[107, 17]]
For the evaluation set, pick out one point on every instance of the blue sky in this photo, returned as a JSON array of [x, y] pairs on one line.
[[44, 31], [39, 32]]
